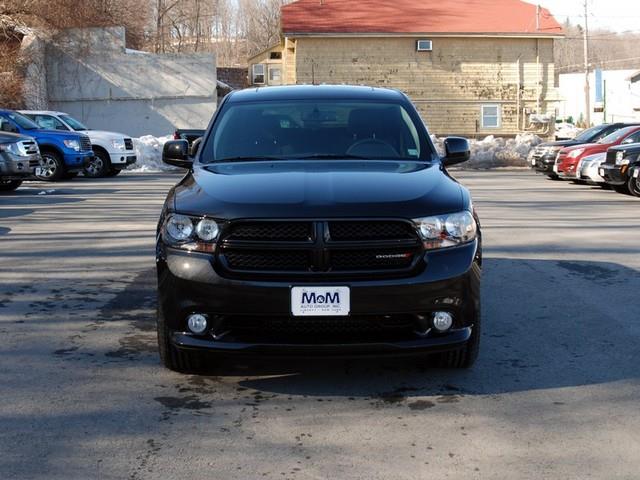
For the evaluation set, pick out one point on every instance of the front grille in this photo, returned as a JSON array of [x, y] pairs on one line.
[[363, 230], [611, 157], [315, 248], [85, 143], [267, 260], [128, 144], [283, 231], [370, 259], [29, 147]]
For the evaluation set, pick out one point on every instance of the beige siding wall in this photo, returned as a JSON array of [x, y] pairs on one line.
[[449, 85]]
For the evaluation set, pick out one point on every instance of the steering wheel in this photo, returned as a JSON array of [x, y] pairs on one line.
[[373, 147]]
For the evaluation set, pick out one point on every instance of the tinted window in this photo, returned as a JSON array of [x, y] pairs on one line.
[[594, 134], [633, 138], [617, 135], [73, 123], [330, 128], [22, 121]]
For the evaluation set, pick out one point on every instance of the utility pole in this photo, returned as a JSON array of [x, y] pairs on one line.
[[587, 89]]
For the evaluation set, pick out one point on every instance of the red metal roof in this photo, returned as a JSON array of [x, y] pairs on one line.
[[503, 17]]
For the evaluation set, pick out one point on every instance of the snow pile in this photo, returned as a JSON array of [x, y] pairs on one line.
[[149, 154], [493, 152], [566, 131]]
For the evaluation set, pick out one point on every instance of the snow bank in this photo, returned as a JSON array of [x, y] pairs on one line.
[[149, 152], [494, 152]]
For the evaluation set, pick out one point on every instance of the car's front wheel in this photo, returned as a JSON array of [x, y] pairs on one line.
[[9, 185], [99, 166], [553, 176], [624, 188], [51, 167], [113, 172], [634, 186], [184, 361]]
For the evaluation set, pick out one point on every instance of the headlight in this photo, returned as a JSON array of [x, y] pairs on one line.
[[181, 231], [552, 150], [620, 160], [447, 230], [72, 144], [11, 148], [118, 144], [575, 153]]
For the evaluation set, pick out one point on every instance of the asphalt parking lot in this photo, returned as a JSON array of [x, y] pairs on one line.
[[554, 394]]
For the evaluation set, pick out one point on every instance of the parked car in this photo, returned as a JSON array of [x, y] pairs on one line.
[[588, 169], [620, 167], [64, 154], [190, 135], [318, 220], [542, 158], [568, 158], [19, 157], [113, 151]]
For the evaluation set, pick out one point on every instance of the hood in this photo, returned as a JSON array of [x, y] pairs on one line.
[[586, 146], [318, 189], [104, 135], [561, 143], [7, 137], [58, 133]]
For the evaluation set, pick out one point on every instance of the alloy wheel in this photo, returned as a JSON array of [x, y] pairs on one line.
[[48, 166], [95, 166]]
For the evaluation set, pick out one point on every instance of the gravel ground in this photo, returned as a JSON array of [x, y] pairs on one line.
[[554, 394]]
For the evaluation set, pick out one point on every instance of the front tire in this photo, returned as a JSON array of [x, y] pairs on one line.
[[183, 361], [113, 172], [52, 167], [99, 166], [634, 186], [9, 185], [553, 176]]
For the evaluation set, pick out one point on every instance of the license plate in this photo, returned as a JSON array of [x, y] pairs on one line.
[[636, 173], [555, 169], [601, 172], [38, 170], [320, 301]]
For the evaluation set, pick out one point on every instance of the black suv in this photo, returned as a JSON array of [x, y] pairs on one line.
[[543, 157], [620, 170], [318, 220]]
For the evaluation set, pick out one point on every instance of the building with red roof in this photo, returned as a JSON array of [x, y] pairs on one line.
[[473, 67]]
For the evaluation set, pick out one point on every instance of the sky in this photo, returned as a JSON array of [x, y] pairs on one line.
[[617, 15]]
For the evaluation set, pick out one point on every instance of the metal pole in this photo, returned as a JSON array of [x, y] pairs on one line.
[[587, 89]]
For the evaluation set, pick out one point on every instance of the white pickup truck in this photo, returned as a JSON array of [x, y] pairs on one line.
[[113, 151]]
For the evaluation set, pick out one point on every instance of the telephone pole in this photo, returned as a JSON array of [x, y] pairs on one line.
[[587, 89]]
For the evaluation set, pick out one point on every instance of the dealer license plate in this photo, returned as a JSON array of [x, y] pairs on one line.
[[555, 169], [320, 301], [601, 172], [39, 171], [636, 173]]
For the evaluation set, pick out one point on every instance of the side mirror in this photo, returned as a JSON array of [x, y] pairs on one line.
[[457, 150], [176, 153]]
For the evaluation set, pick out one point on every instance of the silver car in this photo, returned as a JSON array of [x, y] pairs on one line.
[[588, 168]]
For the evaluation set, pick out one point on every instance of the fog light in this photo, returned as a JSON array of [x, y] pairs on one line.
[[197, 323], [442, 321]]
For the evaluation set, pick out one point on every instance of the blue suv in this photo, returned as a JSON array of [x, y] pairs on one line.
[[64, 154]]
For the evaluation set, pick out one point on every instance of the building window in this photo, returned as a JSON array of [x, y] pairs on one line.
[[424, 46], [275, 56], [490, 116], [258, 74], [275, 75]]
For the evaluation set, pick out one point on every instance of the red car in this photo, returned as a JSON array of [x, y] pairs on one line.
[[569, 158]]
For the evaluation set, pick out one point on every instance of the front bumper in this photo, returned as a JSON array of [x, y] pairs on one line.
[[189, 283], [13, 167], [122, 159], [614, 174], [75, 162], [544, 164]]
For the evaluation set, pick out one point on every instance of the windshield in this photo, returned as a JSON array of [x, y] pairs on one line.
[[330, 128], [73, 123], [590, 133], [22, 121], [617, 135]]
